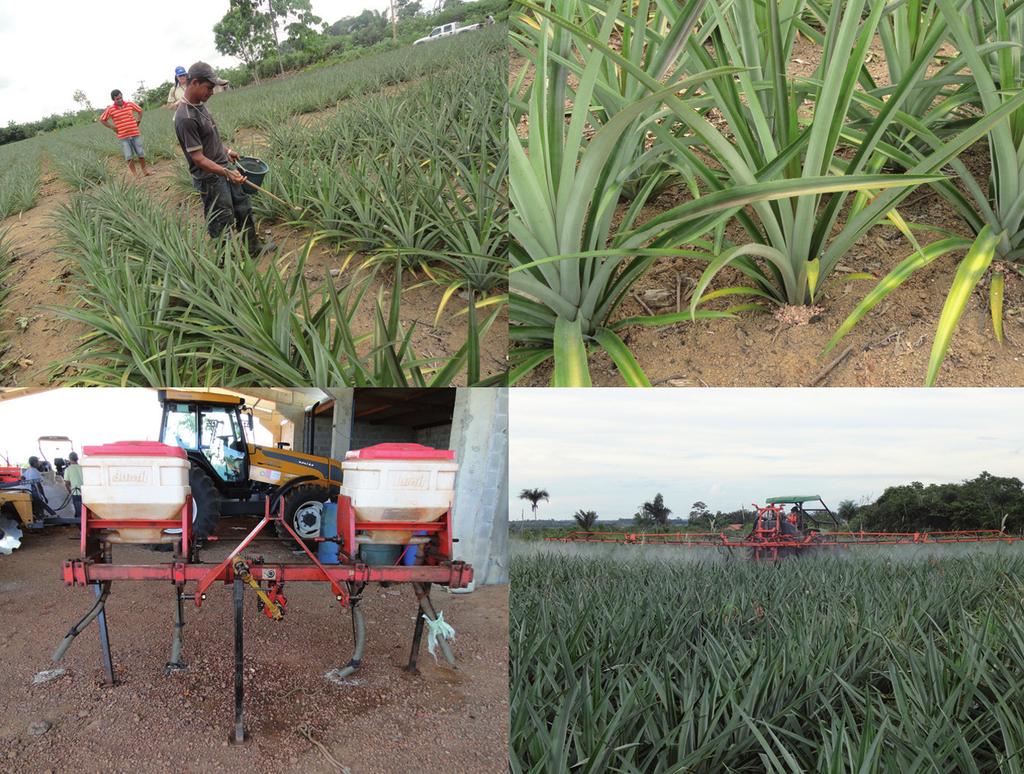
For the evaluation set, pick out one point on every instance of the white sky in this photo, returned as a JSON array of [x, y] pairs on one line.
[[610, 450], [48, 50], [87, 416]]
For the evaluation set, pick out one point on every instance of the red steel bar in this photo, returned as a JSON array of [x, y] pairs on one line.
[[811, 540], [81, 572]]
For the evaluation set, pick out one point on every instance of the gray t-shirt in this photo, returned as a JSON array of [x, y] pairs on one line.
[[197, 130]]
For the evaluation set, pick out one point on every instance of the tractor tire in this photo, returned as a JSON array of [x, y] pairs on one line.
[[205, 503], [303, 510]]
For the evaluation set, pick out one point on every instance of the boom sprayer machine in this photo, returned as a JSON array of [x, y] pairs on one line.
[[788, 527], [393, 525]]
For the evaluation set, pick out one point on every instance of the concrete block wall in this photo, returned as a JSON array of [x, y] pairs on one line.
[[438, 437], [322, 434], [364, 434], [480, 441], [479, 436]]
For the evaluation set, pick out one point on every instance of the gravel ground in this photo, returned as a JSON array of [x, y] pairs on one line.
[[383, 720]]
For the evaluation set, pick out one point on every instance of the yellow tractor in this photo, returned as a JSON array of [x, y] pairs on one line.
[[231, 476]]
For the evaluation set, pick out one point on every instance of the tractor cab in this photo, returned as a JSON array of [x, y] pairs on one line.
[[54, 451], [804, 512], [208, 426], [230, 476]]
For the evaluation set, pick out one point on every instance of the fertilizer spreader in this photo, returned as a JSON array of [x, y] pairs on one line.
[[137, 492]]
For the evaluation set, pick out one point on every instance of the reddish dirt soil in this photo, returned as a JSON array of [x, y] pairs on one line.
[[40, 274], [386, 720]]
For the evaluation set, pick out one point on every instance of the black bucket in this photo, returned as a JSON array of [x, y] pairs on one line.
[[254, 169]]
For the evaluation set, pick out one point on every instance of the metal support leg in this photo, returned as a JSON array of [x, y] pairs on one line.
[[238, 735], [423, 594], [417, 637], [176, 664], [101, 622]]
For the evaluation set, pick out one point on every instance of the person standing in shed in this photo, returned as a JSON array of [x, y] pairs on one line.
[[124, 119], [210, 162]]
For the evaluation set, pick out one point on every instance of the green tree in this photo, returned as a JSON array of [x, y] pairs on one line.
[[83, 101], [585, 519], [534, 496], [985, 502], [699, 512], [407, 9], [653, 513], [847, 511], [304, 27], [246, 33], [369, 27]]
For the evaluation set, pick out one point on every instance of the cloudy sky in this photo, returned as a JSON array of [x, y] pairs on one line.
[[86, 416], [52, 49], [610, 450]]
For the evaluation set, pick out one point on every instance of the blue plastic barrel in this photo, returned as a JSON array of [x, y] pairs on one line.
[[411, 552], [327, 553]]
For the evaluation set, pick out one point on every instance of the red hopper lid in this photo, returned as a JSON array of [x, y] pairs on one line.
[[134, 449], [400, 451]]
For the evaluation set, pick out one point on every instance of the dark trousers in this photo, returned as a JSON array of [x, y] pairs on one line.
[[224, 203], [76, 500]]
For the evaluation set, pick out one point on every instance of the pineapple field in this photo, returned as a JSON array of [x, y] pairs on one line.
[[767, 193], [639, 660], [390, 223]]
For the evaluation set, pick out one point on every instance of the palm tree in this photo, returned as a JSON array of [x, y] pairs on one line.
[[585, 519], [534, 496]]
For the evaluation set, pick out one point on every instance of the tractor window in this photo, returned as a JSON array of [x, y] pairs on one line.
[[179, 426], [221, 441]]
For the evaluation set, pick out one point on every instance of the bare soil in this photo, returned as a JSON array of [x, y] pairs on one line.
[[384, 719], [39, 338]]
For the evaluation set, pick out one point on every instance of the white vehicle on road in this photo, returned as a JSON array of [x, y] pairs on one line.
[[446, 31]]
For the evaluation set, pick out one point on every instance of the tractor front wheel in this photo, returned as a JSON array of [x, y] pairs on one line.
[[304, 511]]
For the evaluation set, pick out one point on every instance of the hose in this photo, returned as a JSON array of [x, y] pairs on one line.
[[359, 632], [75, 630], [179, 624]]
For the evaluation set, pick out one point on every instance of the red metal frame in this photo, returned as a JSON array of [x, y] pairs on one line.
[[442, 570], [348, 525], [90, 523]]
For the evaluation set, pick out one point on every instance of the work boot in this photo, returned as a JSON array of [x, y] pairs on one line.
[[255, 247]]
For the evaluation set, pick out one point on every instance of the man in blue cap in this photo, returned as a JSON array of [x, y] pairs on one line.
[[178, 89], [210, 163]]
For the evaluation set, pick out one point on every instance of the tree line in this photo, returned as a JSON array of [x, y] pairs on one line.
[[984, 502]]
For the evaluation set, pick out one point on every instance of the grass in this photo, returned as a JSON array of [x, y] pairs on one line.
[[19, 181], [858, 664]]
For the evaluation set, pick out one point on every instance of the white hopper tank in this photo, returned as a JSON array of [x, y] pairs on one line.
[[399, 482], [135, 480]]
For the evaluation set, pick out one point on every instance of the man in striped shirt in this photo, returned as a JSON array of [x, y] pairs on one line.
[[121, 118]]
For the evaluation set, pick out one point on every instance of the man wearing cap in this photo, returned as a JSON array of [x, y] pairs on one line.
[[220, 185], [73, 481], [178, 89]]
